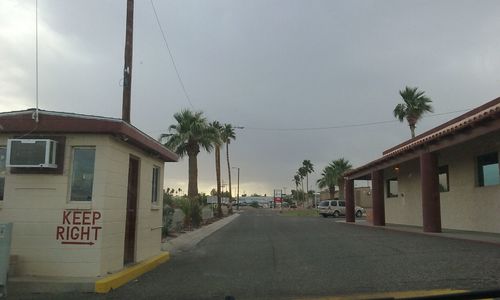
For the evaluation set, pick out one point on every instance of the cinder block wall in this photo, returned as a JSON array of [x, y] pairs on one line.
[[35, 203]]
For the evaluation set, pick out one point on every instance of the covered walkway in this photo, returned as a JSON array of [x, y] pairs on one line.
[[411, 175]]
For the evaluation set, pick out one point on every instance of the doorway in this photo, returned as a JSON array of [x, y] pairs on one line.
[[131, 213]]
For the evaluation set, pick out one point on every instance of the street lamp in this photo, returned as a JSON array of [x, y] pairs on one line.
[[238, 190]]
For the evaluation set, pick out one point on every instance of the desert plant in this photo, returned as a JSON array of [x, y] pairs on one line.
[[254, 204], [415, 105]]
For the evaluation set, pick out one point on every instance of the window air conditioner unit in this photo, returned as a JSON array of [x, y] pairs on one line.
[[31, 153]]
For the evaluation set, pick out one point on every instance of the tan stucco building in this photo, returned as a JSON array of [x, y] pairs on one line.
[[362, 196], [98, 210], [447, 177]]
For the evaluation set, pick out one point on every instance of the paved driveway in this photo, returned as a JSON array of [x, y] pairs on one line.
[[265, 255]]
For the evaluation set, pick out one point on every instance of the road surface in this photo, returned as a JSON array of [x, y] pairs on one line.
[[264, 255]]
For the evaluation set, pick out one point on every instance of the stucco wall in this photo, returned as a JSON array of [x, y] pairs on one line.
[[466, 206], [35, 203], [407, 207], [362, 197], [148, 239]]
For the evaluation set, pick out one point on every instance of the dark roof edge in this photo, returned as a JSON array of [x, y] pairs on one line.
[[58, 113], [446, 124], [15, 122], [488, 112]]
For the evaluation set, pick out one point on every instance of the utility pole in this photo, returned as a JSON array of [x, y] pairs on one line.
[[127, 68]]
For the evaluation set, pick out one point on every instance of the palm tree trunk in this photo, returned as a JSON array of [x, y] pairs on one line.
[[331, 189], [193, 176], [412, 129], [297, 192], [217, 173], [340, 183], [303, 195], [412, 121], [229, 174], [307, 188]]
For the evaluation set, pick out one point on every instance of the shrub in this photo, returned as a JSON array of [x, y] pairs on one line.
[[254, 204], [192, 211], [168, 213]]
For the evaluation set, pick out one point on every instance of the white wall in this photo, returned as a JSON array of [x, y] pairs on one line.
[[407, 207], [149, 217], [35, 204], [466, 206]]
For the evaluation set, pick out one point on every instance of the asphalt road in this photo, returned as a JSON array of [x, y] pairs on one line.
[[263, 255]]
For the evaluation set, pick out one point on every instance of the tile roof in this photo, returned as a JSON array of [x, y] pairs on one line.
[[61, 122], [487, 112]]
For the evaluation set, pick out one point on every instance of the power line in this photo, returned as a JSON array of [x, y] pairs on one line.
[[344, 126], [341, 126], [170, 54]]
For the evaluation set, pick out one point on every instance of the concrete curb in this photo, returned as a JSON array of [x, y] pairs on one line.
[[49, 285], [122, 277], [430, 234], [188, 240]]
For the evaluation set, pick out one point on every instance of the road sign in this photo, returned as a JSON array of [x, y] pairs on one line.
[[278, 196], [79, 227]]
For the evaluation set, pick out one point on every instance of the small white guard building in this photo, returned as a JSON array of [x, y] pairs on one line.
[[84, 193]]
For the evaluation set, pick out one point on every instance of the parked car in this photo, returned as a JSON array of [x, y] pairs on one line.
[[336, 208]]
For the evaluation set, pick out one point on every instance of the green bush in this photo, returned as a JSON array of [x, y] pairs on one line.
[[254, 204], [192, 211], [168, 213]]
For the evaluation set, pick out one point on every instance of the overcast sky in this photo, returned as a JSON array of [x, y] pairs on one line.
[[259, 64]]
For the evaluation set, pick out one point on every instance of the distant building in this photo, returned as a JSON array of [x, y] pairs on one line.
[[362, 196], [213, 200], [263, 201]]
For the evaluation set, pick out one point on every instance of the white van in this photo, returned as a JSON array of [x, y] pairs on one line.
[[336, 208]]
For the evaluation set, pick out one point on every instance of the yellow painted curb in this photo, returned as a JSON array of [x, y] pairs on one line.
[[120, 278], [392, 295]]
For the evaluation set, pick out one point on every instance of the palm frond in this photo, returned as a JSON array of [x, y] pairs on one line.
[[415, 105]]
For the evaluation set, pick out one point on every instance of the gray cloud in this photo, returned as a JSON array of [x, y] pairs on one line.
[[265, 64]]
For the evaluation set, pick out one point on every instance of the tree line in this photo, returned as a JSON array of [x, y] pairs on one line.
[[188, 137], [415, 104]]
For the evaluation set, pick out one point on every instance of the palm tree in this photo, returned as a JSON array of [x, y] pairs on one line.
[[309, 168], [296, 180], [228, 134], [302, 172], [328, 180], [340, 166], [414, 106], [188, 136], [217, 141], [332, 175]]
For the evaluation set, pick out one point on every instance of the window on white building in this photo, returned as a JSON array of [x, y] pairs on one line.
[[155, 184], [3, 153], [392, 187], [444, 182], [82, 175], [488, 172]]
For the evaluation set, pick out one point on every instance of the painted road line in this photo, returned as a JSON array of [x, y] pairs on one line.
[[390, 295], [120, 278]]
